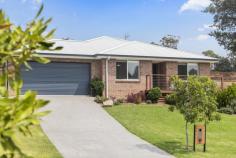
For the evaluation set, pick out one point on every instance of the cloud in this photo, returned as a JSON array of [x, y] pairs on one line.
[[206, 27], [24, 1], [194, 5], [202, 37], [33, 1]]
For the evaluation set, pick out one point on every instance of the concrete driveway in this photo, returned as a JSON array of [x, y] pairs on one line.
[[80, 128]]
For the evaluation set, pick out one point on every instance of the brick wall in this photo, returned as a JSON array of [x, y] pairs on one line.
[[226, 75], [171, 68], [96, 69], [121, 89], [204, 69]]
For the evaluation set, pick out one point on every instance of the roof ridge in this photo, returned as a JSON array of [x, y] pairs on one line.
[[194, 53], [93, 39], [66, 40], [113, 48]]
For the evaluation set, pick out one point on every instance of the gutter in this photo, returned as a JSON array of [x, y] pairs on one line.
[[106, 70], [129, 57], [125, 57]]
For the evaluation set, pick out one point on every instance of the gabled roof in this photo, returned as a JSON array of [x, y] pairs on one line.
[[108, 46]]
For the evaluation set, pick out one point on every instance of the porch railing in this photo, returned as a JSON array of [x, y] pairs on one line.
[[163, 81]]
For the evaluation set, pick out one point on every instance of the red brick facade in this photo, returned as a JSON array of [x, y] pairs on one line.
[[204, 69], [171, 68], [121, 89]]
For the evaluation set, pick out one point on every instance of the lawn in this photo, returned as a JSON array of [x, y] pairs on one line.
[[165, 129], [38, 146]]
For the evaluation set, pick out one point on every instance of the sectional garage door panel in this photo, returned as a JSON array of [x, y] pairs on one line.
[[58, 78]]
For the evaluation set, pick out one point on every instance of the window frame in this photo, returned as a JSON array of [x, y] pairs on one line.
[[189, 69], [187, 64], [127, 70]]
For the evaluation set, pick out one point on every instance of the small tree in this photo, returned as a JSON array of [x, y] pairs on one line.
[[19, 112], [195, 100]]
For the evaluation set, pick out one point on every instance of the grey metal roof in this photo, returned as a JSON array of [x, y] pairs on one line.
[[108, 46]]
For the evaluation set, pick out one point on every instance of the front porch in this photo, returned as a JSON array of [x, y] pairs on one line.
[[162, 73]]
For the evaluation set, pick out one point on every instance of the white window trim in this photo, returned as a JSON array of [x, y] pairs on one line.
[[127, 79]]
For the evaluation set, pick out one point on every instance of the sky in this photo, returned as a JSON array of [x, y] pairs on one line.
[[142, 20]]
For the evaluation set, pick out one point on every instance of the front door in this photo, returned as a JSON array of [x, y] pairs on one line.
[[159, 75]]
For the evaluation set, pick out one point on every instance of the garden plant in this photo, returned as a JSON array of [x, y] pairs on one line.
[[19, 112], [195, 98]]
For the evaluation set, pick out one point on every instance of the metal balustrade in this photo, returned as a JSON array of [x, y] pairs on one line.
[[163, 81]]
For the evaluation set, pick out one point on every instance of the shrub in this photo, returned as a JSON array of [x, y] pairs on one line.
[[226, 110], [21, 112], [227, 98], [130, 98], [170, 99], [154, 94], [100, 99], [222, 100], [118, 102], [97, 87], [136, 98]]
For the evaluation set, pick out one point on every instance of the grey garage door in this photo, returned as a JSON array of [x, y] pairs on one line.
[[57, 78]]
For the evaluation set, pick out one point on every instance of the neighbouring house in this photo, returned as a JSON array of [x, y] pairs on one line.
[[125, 67]]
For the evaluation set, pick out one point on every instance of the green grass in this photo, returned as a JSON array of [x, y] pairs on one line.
[[38, 146], [166, 130]]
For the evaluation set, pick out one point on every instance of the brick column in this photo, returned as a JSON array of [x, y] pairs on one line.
[[204, 69], [171, 68]]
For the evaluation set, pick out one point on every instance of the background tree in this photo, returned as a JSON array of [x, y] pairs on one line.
[[195, 100], [210, 53], [154, 43], [224, 64], [170, 41], [19, 112], [224, 12]]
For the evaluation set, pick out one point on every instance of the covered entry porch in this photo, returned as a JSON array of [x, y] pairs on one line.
[[163, 71]]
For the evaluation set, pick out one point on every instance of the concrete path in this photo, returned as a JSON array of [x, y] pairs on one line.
[[80, 128]]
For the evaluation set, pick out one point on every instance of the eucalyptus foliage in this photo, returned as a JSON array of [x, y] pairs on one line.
[[224, 24], [20, 112], [195, 99]]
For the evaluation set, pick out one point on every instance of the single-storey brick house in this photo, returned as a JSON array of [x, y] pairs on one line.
[[125, 67]]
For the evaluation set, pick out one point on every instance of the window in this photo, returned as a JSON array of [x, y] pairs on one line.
[[121, 70], [188, 69], [192, 69], [182, 70], [127, 70]]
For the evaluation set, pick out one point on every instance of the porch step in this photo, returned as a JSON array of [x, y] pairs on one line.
[[162, 100]]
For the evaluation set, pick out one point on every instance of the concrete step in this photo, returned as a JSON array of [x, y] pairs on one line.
[[162, 100]]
